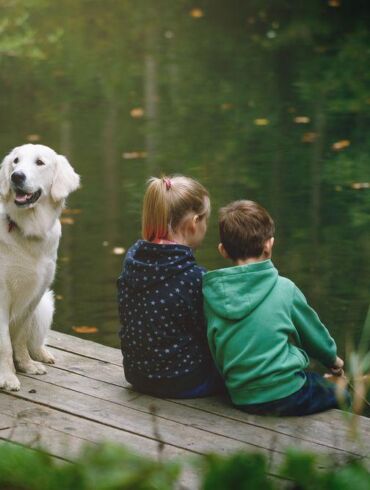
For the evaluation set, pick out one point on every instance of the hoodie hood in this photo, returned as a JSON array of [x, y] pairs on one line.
[[149, 263], [235, 292]]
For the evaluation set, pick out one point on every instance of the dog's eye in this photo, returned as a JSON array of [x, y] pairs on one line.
[[16, 160], [39, 162]]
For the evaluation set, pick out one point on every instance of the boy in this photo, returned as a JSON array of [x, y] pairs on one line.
[[260, 327]]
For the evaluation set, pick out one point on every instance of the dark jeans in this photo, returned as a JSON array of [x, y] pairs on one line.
[[212, 385], [316, 395]]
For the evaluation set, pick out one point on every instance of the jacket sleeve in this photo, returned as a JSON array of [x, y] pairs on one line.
[[314, 336]]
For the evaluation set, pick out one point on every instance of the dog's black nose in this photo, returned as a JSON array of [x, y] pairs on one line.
[[18, 178]]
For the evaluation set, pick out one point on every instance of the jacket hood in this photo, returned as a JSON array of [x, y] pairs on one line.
[[235, 292], [150, 263]]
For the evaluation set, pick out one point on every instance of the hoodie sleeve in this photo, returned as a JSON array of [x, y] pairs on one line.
[[314, 336]]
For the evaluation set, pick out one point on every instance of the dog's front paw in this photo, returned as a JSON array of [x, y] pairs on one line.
[[31, 367], [9, 382], [43, 355]]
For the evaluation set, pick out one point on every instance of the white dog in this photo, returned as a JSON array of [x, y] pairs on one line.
[[34, 183]]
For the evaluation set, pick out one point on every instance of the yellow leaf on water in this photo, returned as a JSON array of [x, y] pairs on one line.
[[133, 155], [334, 3], [71, 211], [261, 121], [197, 13], [67, 221], [33, 138], [58, 297], [309, 137], [84, 329], [64, 259], [360, 185], [137, 112], [340, 145], [118, 251], [302, 120]]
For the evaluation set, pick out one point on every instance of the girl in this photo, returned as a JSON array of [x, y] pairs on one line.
[[163, 334]]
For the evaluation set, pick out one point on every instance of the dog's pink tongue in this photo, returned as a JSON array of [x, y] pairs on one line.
[[23, 197]]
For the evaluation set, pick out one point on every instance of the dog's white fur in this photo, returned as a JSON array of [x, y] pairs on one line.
[[28, 253]]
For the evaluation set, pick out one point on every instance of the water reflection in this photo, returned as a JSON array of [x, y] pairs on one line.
[[264, 101]]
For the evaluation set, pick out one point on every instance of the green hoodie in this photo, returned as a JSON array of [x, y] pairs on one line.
[[260, 330]]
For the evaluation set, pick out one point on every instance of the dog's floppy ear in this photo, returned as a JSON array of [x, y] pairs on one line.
[[65, 179], [5, 175]]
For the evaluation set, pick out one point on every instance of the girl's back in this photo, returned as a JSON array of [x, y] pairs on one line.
[[163, 334], [161, 311]]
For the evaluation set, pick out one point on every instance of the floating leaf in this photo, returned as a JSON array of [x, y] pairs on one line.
[[33, 138], [262, 121], [133, 155], [118, 251], [321, 49], [302, 120], [334, 3], [85, 329], [340, 145], [67, 221], [105, 243], [59, 297], [360, 185], [197, 13], [226, 106], [309, 137], [71, 211], [64, 259], [137, 112]]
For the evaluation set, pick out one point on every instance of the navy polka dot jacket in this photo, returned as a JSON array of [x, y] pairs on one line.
[[163, 334]]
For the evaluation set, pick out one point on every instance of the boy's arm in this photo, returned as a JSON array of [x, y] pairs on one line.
[[314, 336]]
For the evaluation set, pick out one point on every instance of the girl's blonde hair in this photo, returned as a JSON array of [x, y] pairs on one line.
[[168, 200]]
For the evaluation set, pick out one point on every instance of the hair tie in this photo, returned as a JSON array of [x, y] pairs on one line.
[[168, 182]]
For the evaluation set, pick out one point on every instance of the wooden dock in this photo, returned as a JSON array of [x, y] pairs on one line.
[[84, 399]]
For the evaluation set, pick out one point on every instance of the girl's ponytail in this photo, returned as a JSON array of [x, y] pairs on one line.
[[167, 201], [155, 210]]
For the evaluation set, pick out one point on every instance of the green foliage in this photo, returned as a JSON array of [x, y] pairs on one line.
[[239, 471], [112, 467], [302, 469], [105, 467]]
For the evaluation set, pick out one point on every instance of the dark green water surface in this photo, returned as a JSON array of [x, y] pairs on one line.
[[264, 100]]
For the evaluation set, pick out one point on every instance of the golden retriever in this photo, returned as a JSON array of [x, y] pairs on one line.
[[34, 183]]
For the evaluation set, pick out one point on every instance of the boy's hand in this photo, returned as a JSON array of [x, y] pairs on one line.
[[337, 367]]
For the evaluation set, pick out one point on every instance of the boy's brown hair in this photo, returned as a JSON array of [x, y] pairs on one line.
[[244, 228]]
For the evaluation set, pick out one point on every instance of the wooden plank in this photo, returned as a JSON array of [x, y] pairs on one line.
[[53, 442], [13, 411], [309, 432], [6, 421], [57, 432], [140, 423], [113, 356], [85, 348]]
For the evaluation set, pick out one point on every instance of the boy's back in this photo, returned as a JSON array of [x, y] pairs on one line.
[[254, 319], [260, 327]]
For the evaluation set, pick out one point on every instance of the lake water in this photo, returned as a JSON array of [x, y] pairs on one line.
[[262, 101]]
